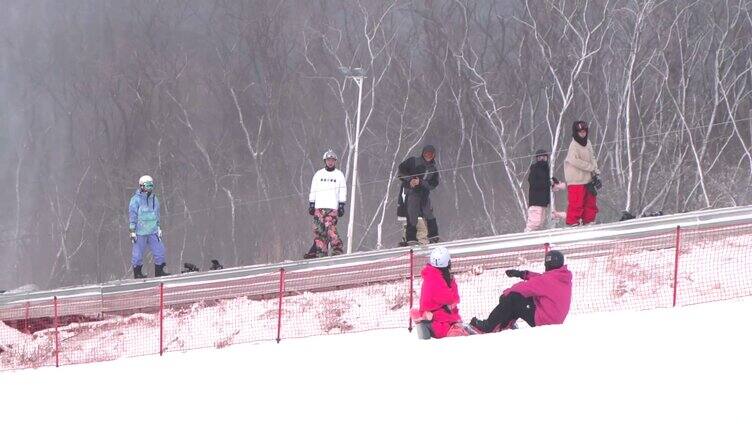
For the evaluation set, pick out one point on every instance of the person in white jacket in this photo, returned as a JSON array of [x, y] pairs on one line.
[[326, 203]]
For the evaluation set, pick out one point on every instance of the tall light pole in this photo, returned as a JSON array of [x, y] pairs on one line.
[[357, 74]]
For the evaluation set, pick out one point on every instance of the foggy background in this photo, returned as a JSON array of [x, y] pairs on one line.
[[230, 105]]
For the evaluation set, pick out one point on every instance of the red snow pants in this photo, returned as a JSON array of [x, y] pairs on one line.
[[581, 206]]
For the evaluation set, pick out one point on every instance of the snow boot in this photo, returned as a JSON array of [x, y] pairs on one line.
[[216, 265], [313, 252], [159, 270], [479, 324], [434, 239], [423, 330], [433, 230], [137, 272]]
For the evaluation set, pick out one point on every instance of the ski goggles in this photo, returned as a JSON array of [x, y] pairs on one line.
[[149, 185]]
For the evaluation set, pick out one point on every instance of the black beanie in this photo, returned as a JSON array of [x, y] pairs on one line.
[[554, 259], [579, 126], [428, 148]]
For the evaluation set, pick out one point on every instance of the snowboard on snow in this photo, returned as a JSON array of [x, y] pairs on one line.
[[423, 329]]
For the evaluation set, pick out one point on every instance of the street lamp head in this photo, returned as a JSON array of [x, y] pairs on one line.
[[352, 72]]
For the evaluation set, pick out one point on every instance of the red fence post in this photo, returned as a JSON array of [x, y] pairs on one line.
[[279, 309], [677, 248], [409, 318], [161, 318], [26, 315], [57, 340]]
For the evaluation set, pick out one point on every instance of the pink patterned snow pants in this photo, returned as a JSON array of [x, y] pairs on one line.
[[325, 231]]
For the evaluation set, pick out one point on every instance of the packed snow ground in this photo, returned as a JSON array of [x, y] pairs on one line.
[[689, 364]]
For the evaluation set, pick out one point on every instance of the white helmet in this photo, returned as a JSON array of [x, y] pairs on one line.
[[145, 179], [330, 155], [440, 257]]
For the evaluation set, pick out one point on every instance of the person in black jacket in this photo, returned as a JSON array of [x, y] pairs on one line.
[[419, 176], [539, 194]]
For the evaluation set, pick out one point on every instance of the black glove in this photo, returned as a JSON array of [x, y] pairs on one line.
[[516, 273], [554, 180], [594, 185], [341, 209], [590, 187], [311, 208], [597, 182]]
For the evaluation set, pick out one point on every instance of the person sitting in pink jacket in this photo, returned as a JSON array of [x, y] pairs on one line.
[[439, 296], [540, 299]]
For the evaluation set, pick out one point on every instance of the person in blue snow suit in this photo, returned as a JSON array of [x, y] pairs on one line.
[[143, 223]]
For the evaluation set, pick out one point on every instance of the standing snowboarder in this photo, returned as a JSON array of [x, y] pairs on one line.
[[143, 224], [326, 203], [581, 173], [419, 177], [539, 193]]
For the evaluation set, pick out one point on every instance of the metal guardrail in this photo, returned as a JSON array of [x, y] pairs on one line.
[[587, 234]]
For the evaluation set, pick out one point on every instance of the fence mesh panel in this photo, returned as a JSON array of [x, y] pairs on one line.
[[621, 274], [713, 264], [220, 313], [631, 273], [105, 328], [27, 335], [342, 299]]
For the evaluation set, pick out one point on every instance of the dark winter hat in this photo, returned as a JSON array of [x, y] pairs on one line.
[[577, 127], [554, 259], [541, 152], [428, 148]]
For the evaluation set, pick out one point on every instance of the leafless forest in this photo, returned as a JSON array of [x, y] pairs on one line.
[[229, 105]]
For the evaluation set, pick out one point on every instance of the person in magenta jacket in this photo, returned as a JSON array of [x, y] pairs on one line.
[[438, 293], [540, 299]]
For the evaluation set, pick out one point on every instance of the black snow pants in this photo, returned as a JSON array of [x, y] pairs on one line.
[[512, 307], [419, 204]]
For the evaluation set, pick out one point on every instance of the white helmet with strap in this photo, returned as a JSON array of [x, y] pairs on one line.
[[440, 257], [329, 154], [146, 182]]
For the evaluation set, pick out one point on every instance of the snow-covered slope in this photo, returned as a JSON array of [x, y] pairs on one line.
[[689, 364]]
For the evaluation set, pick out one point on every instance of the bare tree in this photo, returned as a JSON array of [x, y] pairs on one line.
[[229, 105]]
